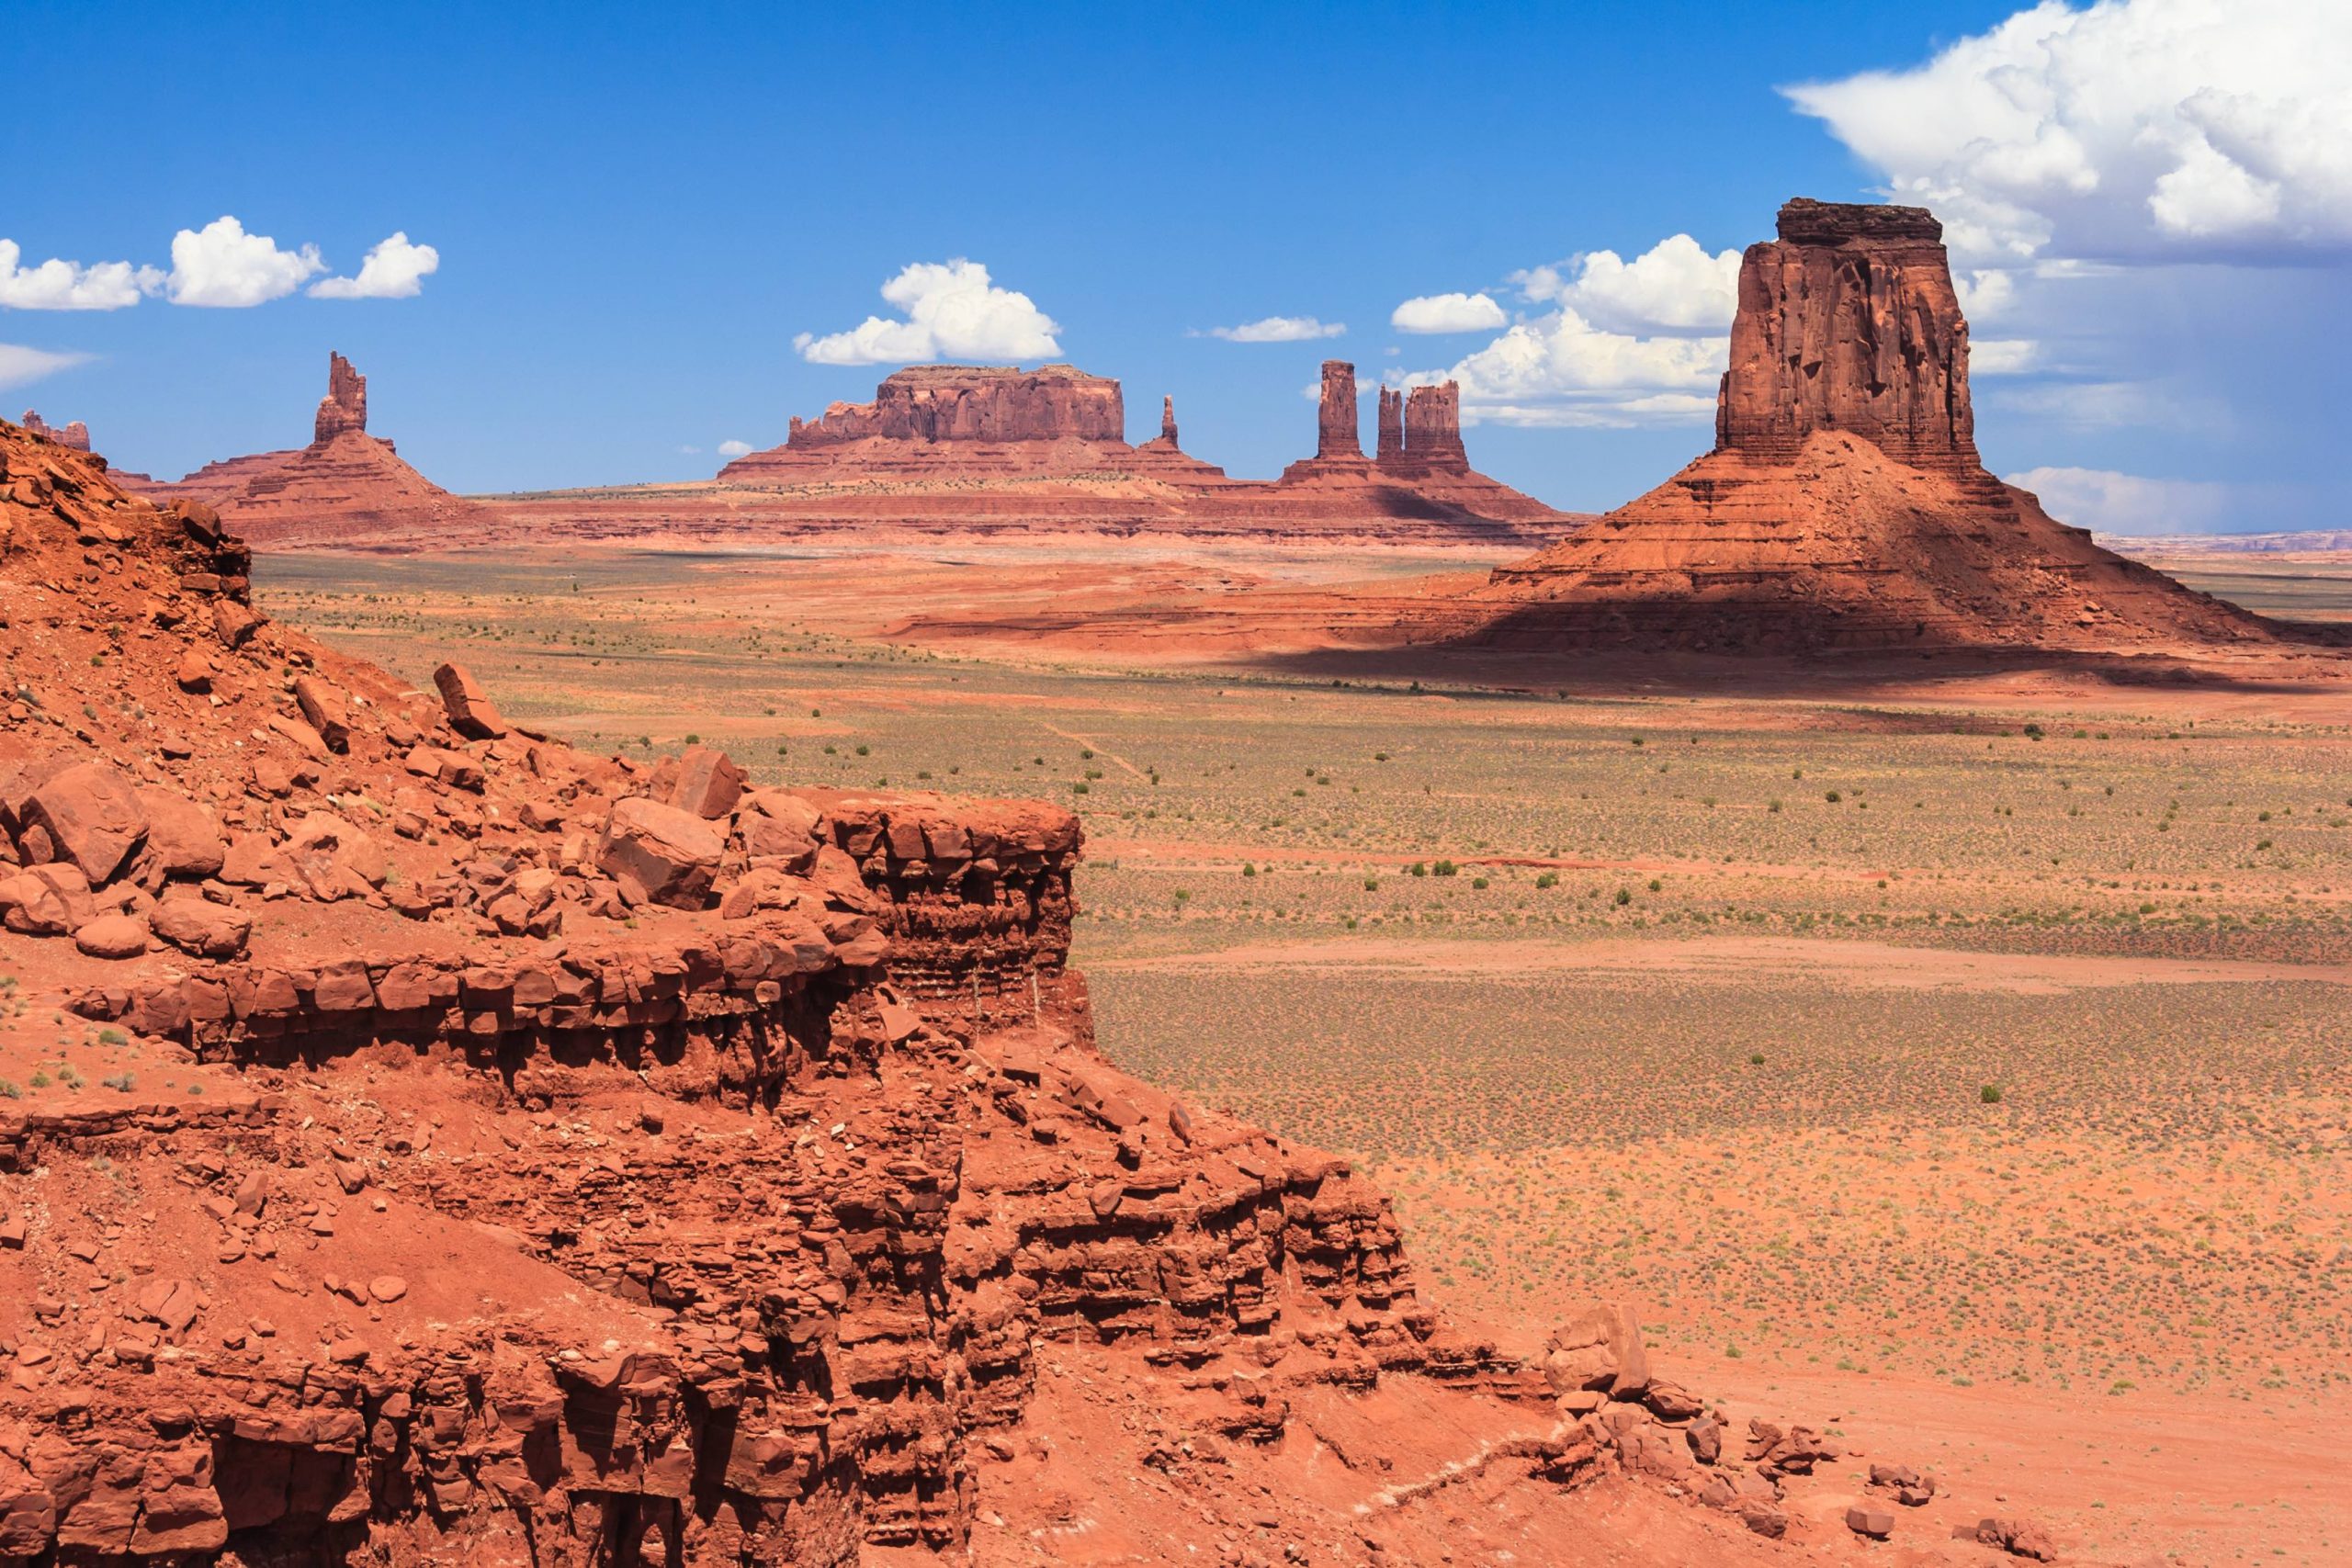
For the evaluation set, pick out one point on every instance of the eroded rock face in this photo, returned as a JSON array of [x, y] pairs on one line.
[[74, 437], [1392, 426], [1849, 321], [1338, 426], [346, 405], [1844, 506]]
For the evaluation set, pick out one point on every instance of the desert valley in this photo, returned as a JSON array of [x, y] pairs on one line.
[[970, 990]]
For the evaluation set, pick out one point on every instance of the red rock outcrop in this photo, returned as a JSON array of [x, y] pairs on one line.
[[346, 405], [1392, 427], [1338, 426], [1849, 321], [75, 435], [544, 1160], [1168, 419], [1433, 430], [1844, 505], [345, 487]]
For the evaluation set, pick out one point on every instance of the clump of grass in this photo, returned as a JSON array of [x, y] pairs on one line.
[[1989, 1095]]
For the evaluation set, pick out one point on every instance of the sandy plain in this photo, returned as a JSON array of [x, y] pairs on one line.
[[1958, 1047]]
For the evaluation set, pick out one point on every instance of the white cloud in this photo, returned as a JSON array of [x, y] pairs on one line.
[[2003, 355], [1562, 370], [734, 448], [395, 269], [220, 264], [1447, 313], [2133, 128], [1280, 329], [1675, 286], [57, 284], [2109, 503], [21, 367], [952, 311]]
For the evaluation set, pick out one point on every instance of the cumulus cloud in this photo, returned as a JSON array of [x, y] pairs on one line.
[[1447, 313], [395, 269], [57, 284], [2107, 501], [2137, 129], [1674, 286], [1280, 329], [951, 311], [21, 367], [1560, 370], [2003, 355], [220, 264], [734, 448]]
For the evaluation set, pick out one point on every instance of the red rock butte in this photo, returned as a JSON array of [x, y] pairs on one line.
[[345, 487], [554, 1159], [1844, 504]]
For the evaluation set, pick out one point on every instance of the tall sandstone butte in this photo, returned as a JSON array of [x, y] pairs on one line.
[[1844, 505], [1849, 321], [346, 405], [1337, 434]]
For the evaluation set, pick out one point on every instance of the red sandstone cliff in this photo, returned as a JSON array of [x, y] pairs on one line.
[[515, 1156], [1844, 505]]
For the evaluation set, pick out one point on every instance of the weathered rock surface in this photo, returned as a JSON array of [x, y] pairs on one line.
[[344, 408], [1849, 321], [1844, 506], [74, 437], [558, 1176]]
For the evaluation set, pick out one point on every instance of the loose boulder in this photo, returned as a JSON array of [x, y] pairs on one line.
[[468, 705], [660, 854], [91, 816]]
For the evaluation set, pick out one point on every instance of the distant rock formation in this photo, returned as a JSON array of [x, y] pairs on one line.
[[946, 446], [1337, 432], [75, 435], [346, 405], [1844, 505], [345, 487]]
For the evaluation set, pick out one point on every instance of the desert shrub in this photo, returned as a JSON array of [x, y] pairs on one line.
[[1478, 882], [1549, 879], [1989, 1095], [1624, 897], [1446, 868]]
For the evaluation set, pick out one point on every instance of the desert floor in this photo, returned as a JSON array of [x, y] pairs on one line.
[[1956, 1049]]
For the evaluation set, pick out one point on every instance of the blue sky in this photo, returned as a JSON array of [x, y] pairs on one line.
[[633, 216]]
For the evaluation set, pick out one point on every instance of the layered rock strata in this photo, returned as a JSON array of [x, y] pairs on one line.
[[1844, 505], [549, 1159]]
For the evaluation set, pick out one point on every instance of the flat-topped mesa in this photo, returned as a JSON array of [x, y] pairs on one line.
[[1849, 321], [1336, 432], [977, 421], [75, 435], [346, 405], [1392, 427], [977, 404]]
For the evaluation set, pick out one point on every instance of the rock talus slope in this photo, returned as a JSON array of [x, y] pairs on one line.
[[523, 1156]]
